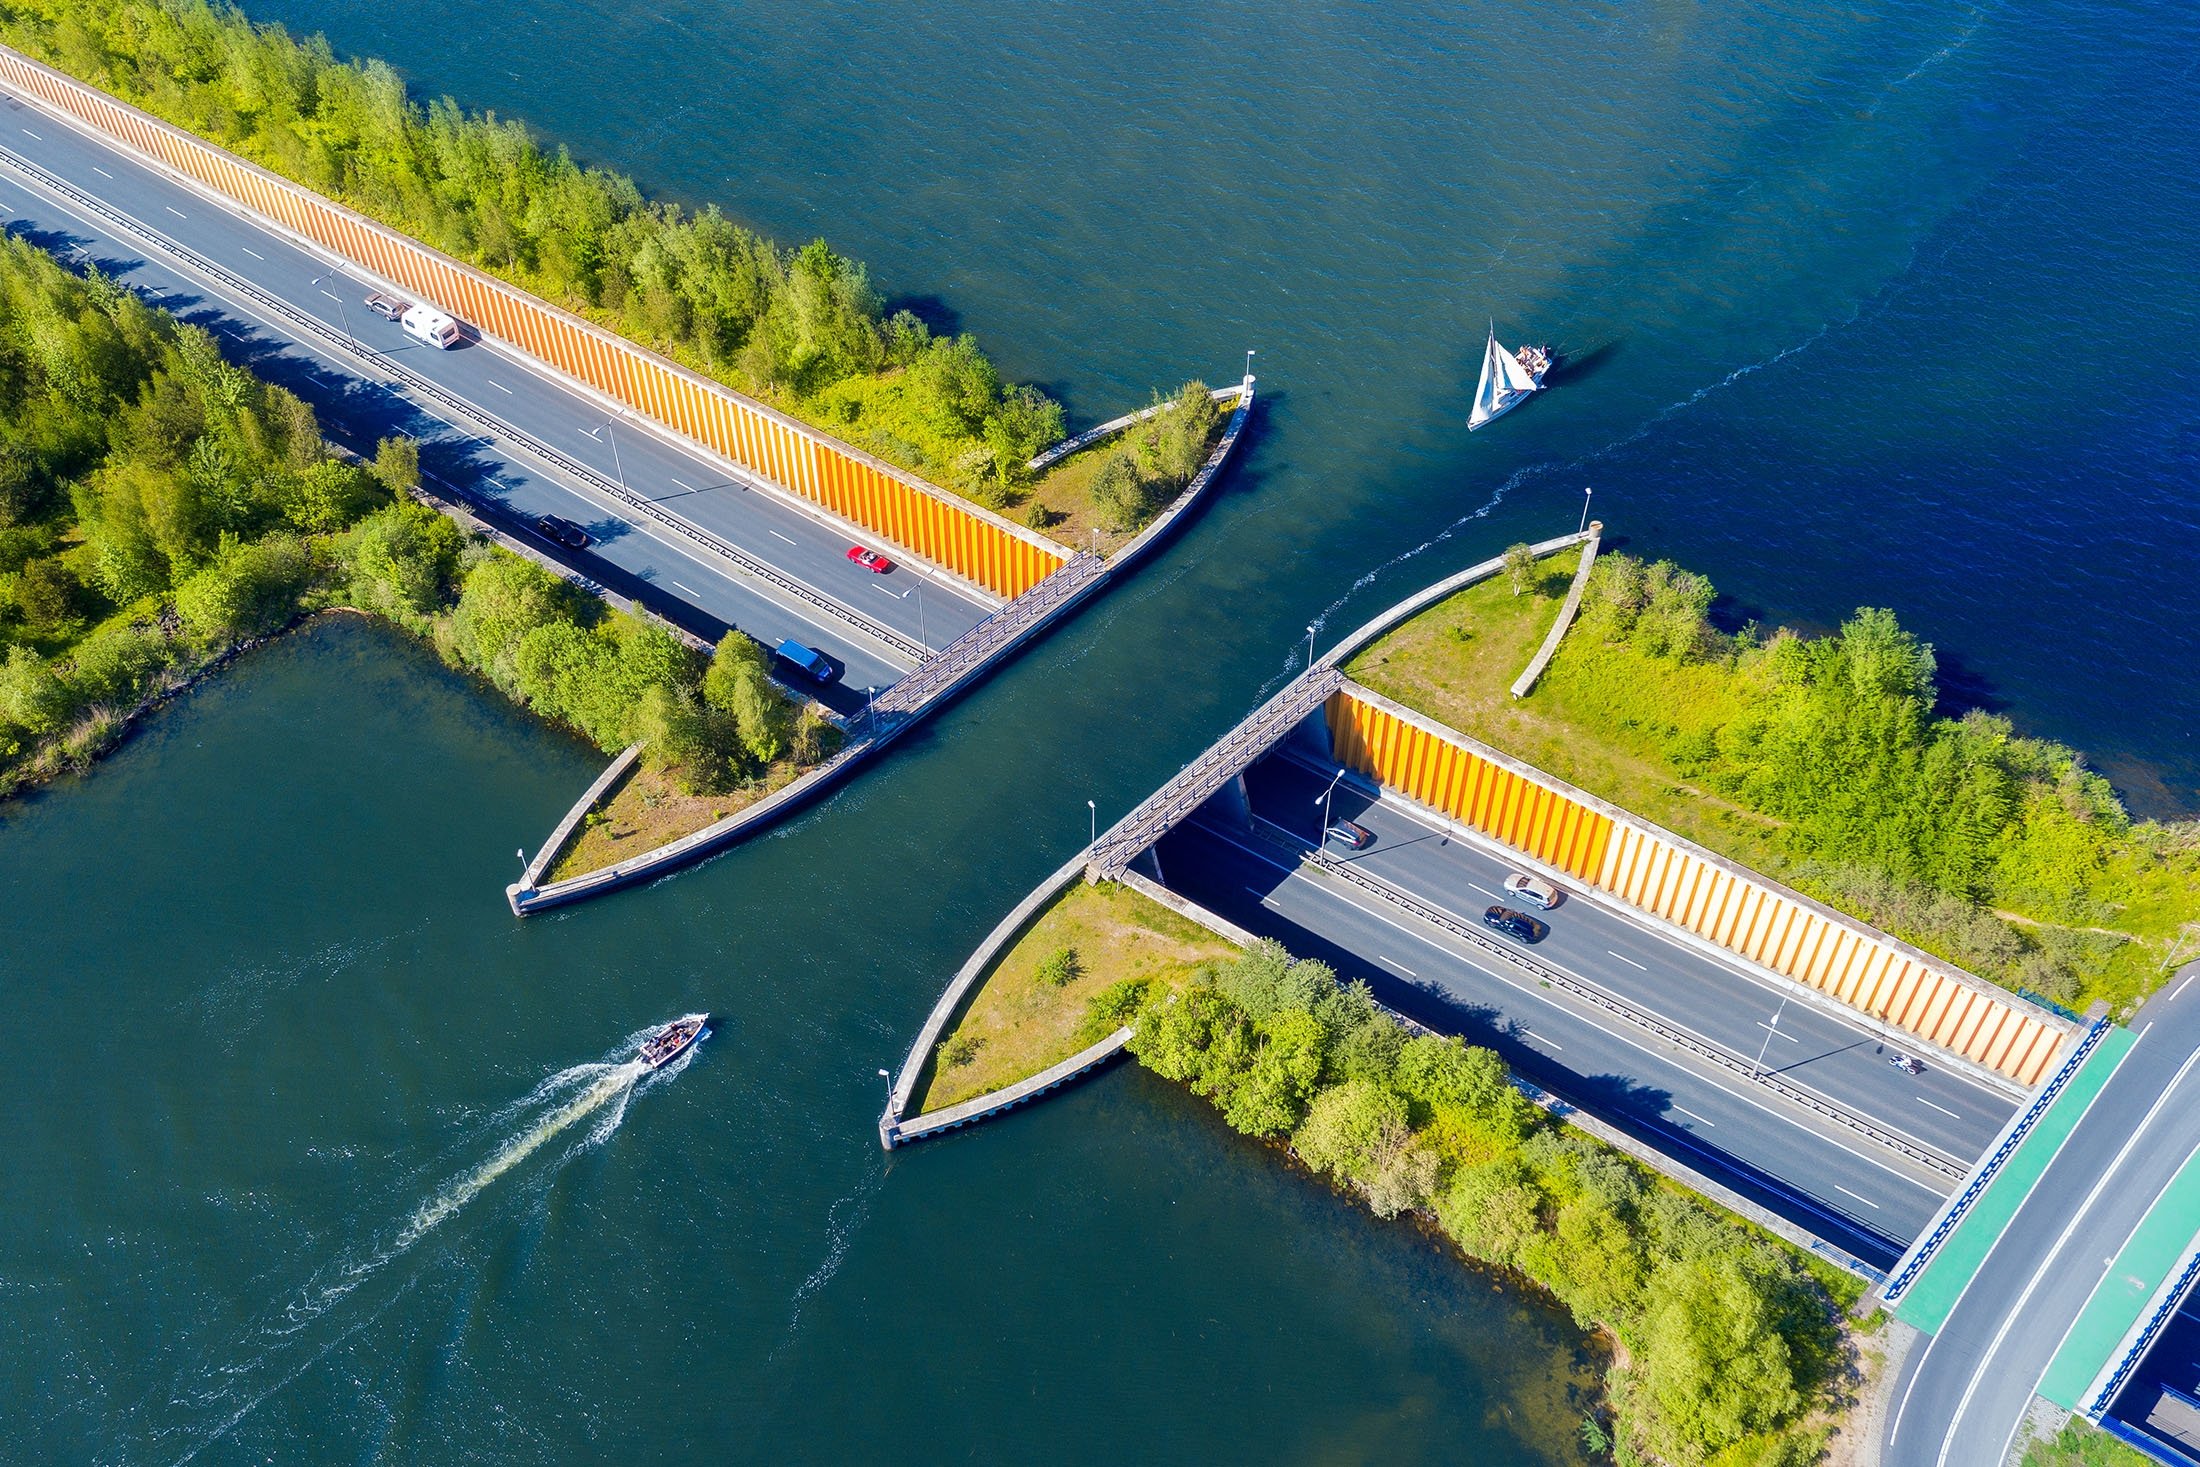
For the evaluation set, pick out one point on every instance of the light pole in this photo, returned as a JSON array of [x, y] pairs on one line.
[[1323, 842], [870, 714], [1584, 526], [341, 314], [1092, 809], [924, 641], [616, 468], [1248, 364], [1770, 1030], [1310, 648]]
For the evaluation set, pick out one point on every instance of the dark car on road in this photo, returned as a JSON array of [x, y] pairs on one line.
[[564, 531], [388, 307], [1351, 833], [1518, 926]]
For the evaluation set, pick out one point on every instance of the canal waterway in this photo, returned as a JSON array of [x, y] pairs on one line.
[[321, 1157]]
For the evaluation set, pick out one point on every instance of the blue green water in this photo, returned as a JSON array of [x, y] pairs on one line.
[[1886, 305]]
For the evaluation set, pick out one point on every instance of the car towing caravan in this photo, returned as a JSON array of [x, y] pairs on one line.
[[430, 325]]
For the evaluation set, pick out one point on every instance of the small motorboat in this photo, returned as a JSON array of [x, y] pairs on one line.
[[673, 1040]]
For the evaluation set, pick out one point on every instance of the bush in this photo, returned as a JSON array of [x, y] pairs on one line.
[[960, 1050], [1060, 968]]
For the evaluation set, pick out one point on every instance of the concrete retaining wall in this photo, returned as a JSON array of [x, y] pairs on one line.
[[1557, 633], [1003, 557]]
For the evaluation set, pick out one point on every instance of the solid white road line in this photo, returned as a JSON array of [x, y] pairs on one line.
[[687, 588], [777, 536], [1630, 962], [29, 134], [2047, 1266], [175, 211], [1541, 1040], [1684, 1110], [2142, 1031], [255, 254], [2180, 988], [1858, 1196], [1401, 967], [1921, 1100], [684, 484], [499, 386], [103, 173]]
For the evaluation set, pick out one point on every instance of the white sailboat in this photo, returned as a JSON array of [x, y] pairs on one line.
[[1507, 379]]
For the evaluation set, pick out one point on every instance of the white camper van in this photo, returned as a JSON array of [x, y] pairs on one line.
[[431, 326]]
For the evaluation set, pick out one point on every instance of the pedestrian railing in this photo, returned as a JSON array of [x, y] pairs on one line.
[[940, 671]]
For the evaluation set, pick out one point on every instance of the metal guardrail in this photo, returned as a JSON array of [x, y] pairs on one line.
[[968, 652], [1597, 998], [2144, 1342], [1985, 1172], [748, 564], [1191, 786]]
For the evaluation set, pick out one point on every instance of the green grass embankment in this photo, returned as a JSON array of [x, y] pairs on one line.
[[1031, 1010], [1820, 762]]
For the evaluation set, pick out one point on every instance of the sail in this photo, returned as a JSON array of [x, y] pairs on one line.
[[1489, 393], [1504, 383]]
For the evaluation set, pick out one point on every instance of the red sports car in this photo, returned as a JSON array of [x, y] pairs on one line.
[[870, 560]]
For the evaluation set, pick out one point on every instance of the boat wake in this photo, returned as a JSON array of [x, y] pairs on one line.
[[300, 1331]]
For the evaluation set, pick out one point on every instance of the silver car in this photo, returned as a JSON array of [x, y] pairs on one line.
[[1534, 889]]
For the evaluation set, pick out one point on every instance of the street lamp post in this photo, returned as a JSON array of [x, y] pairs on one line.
[[1248, 364], [1583, 528], [1322, 841], [1309, 648], [342, 314], [616, 467], [870, 714], [1092, 810], [1770, 1030]]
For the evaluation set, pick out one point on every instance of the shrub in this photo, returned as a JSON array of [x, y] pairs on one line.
[[1060, 968], [961, 1050]]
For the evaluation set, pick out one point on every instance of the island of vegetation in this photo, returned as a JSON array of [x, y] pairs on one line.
[[802, 329], [1729, 1344], [160, 507], [1830, 763]]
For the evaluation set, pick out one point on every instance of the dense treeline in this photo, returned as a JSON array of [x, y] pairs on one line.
[[2004, 853], [1730, 1342], [1152, 461], [158, 505], [803, 327]]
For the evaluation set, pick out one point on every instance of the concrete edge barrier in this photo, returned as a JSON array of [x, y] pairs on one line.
[[456, 286], [1625, 819], [1551, 639], [2101, 1392], [1191, 493], [982, 1107], [966, 978], [561, 835], [1564, 1110], [1910, 1267], [526, 901], [1421, 600], [1100, 432]]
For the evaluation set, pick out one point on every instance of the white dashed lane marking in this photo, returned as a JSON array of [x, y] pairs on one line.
[[1630, 962], [777, 536], [1921, 1100], [175, 211], [1858, 1196], [1684, 1110]]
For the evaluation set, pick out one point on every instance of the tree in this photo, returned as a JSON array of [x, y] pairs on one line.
[[50, 596], [32, 698], [402, 558], [505, 597], [1712, 1360], [1349, 1126], [738, 682], [1520, 566], [1119, 494], [397, 465]]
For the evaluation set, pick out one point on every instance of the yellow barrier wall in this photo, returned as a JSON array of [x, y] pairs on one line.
[[1660, 873], [895, 505]]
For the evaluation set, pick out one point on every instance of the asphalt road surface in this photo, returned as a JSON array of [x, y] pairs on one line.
[[1812, 1045], [687, 583], [1963, 1395], [1837, 1186]]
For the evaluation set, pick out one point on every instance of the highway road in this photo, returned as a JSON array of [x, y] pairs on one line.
[[1844, 1188], [1810, 1043], [358, 404], [1963, 1394]]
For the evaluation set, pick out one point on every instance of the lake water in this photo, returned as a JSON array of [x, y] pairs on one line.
[[1889, 306]]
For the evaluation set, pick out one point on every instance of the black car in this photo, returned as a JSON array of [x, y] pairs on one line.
[[1518, 926], [564, 531], [1352, 833]]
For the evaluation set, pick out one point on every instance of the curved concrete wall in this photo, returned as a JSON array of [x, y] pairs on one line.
[[1697, 890], [1002, 557]]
